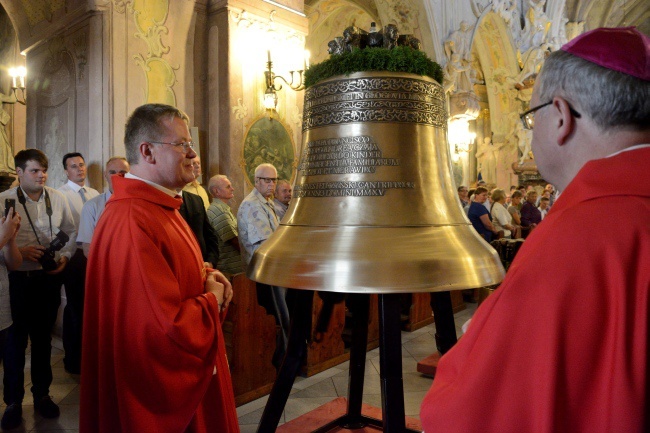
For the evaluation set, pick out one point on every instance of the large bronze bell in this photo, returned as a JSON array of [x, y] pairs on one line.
[[374, 208]]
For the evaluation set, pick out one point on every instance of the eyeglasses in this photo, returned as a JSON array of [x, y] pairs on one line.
[[528, 117], [268, 179], [185, 146]]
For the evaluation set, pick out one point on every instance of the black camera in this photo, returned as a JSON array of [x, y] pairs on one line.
[[47, 260]]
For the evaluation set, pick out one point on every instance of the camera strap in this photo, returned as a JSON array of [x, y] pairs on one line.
[[48, 210]]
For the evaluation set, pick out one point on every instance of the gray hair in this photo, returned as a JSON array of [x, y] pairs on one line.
[[214, 182], [145, 124], [610, 98], [264, 165], [498, 194], [116, 158]]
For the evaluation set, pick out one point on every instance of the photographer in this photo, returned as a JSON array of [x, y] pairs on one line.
[[35, 292]]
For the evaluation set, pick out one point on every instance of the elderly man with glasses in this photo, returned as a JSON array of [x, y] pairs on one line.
[[562, 345], [256, 221], [154, 355]]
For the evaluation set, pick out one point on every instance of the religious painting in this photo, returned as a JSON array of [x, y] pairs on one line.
[[268, 141]]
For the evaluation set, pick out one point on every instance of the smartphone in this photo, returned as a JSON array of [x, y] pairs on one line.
[[9, 203]]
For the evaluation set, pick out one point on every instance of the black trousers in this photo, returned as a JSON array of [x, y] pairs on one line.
[[3, 338], [74, 279], [35, 299]]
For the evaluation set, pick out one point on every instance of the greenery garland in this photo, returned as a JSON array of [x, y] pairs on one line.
[[398, 59]]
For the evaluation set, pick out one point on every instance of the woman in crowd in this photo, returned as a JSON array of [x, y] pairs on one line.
[[479, 215], [515, 207], [501, 218]]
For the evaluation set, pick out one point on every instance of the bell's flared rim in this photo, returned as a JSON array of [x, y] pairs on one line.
[[376, 259]]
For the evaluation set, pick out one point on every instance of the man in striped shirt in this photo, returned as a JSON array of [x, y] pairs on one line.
[[224, 224]]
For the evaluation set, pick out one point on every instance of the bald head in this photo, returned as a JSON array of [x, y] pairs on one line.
[[116, 165], [221, 188]]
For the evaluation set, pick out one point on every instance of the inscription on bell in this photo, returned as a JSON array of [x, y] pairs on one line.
[[348, 188], [344, 155]]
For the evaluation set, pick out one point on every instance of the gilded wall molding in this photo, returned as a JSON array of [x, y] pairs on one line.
[[160, 75]]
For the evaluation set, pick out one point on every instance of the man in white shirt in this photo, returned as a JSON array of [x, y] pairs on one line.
[[75, 189], [256, 222], [77, 193], [35, 293], [93, 208]]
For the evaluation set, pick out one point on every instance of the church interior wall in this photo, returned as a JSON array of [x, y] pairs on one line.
[[90, 63], [249, 32], [208, 56], [55, 90]]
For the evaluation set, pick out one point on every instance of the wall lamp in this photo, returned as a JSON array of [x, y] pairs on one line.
[[460, 138], [18, 75], [295, 82]]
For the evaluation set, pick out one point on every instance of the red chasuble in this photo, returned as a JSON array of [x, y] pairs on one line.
[[562, 345], [151, 338]]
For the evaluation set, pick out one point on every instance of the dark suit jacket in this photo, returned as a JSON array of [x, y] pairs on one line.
[[193, 211]]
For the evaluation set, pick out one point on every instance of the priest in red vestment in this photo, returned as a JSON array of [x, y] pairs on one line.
[[153, 357], [562, 345]]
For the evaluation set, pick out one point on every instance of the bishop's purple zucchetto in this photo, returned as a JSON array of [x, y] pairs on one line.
[[622, 49]]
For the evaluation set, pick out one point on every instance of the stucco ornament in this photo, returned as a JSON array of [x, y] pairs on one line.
[[487, 159], [240, 110], [508, 10], [537, 25], [520, 137], [404, 13], [459, 75], [121, 6], [7, 165], [502, 86], [149, 19]]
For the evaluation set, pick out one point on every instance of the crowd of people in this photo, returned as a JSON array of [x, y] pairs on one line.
[[496, 214], [145, 267], [53, 237]]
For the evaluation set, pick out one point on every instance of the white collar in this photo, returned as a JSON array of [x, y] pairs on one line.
[[167, 191], [75, 187], [635, 147]]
